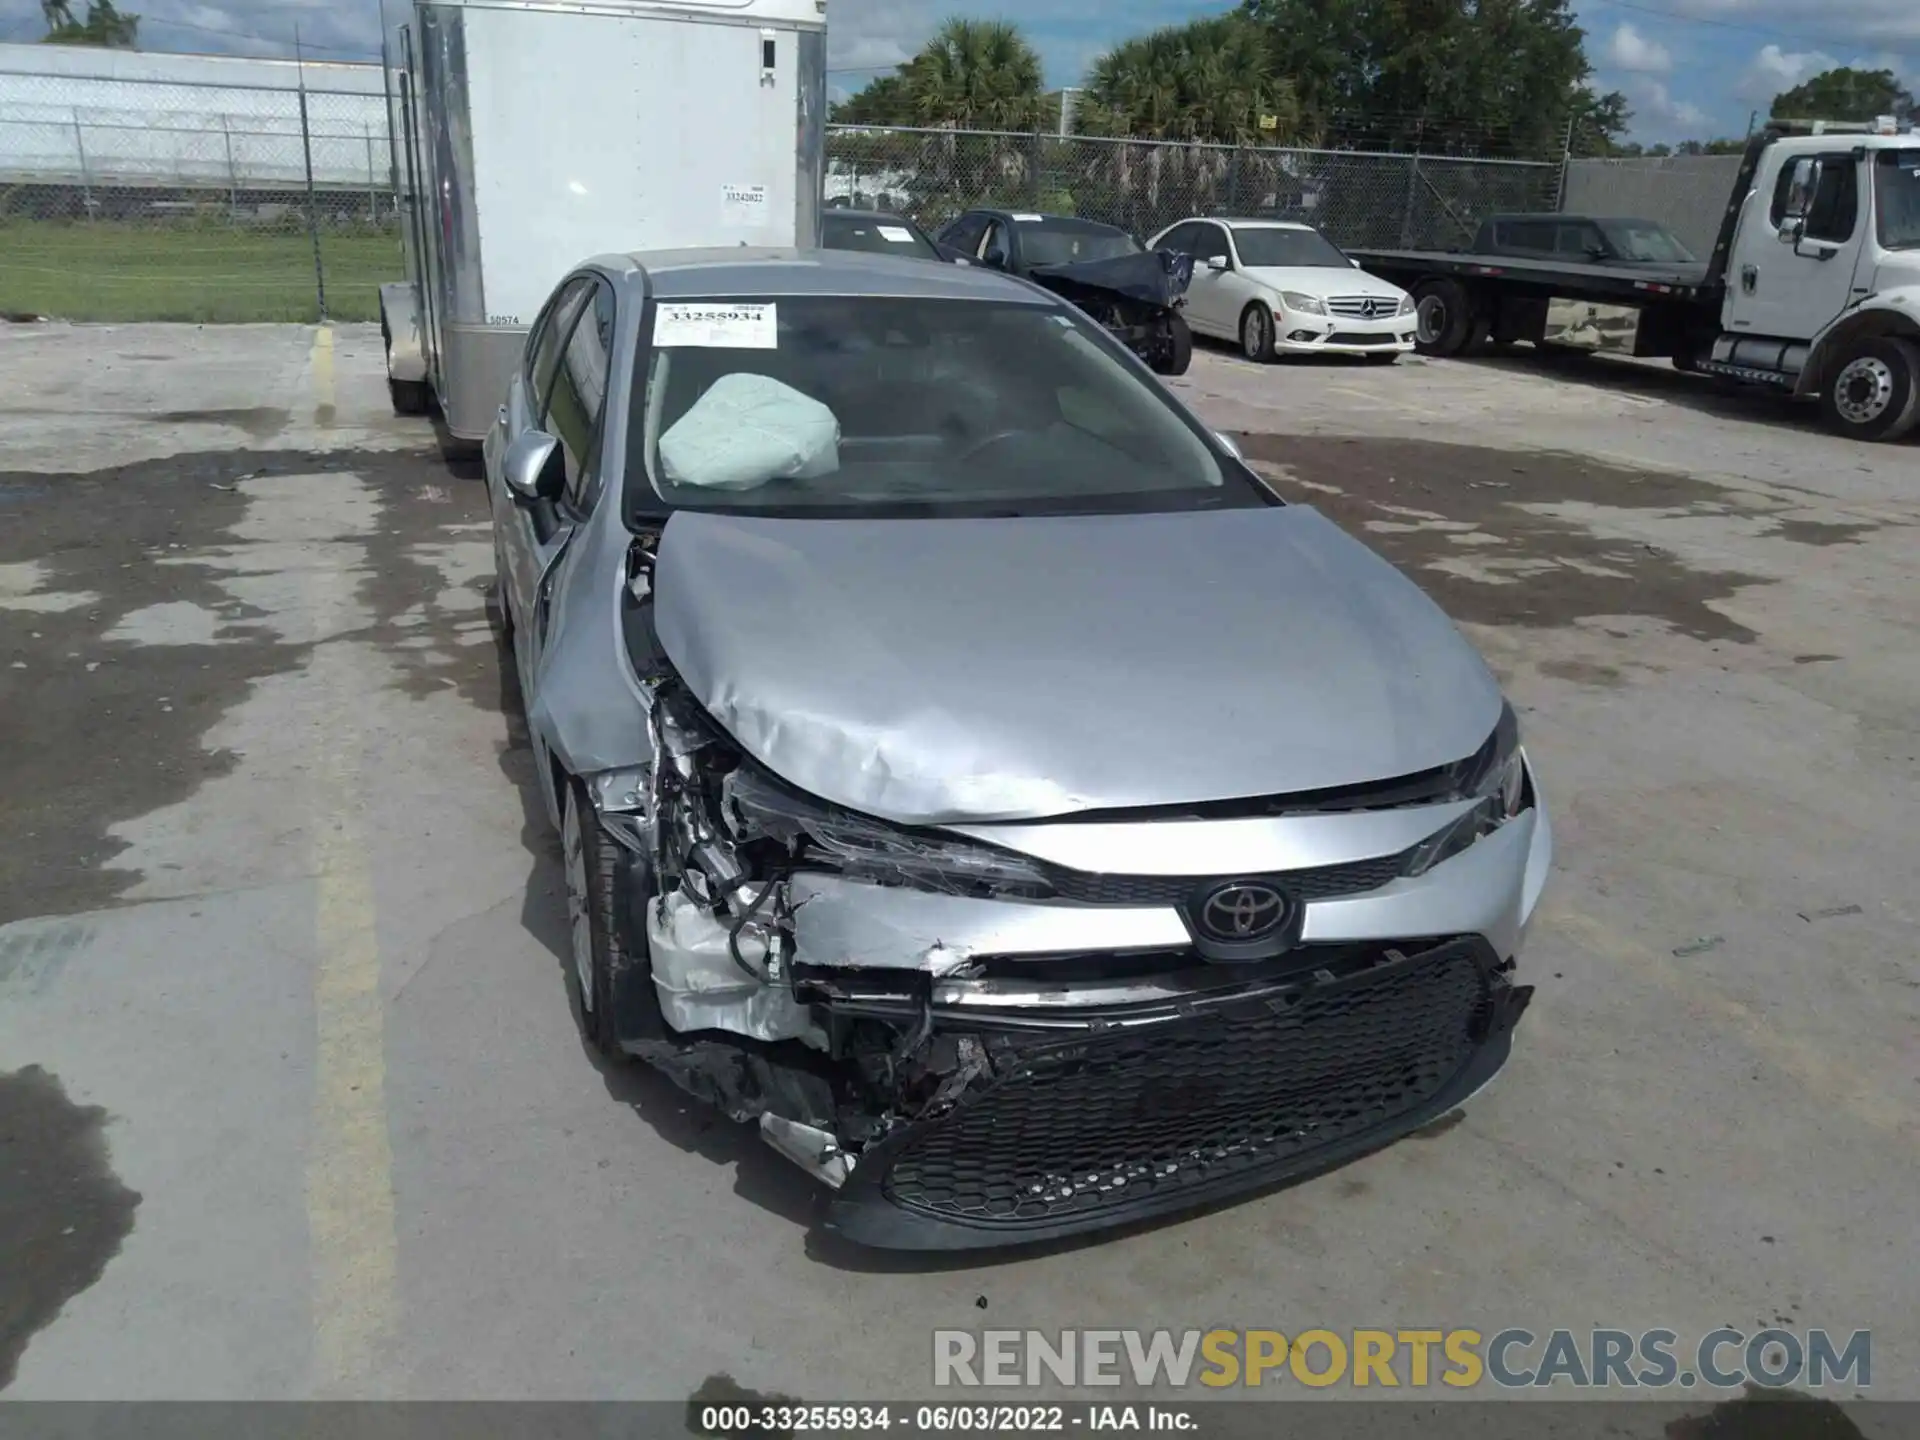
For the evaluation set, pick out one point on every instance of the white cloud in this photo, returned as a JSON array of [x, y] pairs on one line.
[[1654, 102], [1630, 50], [1849, 22], [1775, 69]]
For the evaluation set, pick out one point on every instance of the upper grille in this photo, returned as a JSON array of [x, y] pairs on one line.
[[1355, 306], [1133, 1117], [1324, 883]]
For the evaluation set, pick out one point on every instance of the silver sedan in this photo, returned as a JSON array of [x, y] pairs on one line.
[[969, 772]]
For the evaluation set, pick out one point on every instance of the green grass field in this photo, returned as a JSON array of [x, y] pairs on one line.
[[207, 272]]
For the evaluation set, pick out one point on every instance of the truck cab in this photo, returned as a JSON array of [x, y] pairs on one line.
[[1820, 262]]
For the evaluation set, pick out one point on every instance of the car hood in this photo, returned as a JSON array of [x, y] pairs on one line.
[[1322, 281], [952, 670]]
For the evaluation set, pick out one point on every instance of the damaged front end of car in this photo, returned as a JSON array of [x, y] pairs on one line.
[[973, 1047]]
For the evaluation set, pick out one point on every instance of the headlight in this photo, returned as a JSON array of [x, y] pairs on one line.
[[1496, 780], [1305, 304], [826, 837], [1406, 305]]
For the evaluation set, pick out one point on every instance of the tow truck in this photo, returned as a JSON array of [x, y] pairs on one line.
[[1812, 288]]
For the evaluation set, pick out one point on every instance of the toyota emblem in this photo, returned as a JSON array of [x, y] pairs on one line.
[[1242, 910]]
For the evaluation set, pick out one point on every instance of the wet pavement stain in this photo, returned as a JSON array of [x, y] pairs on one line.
[[1769, 1415], [724, 1391], [261, 422], [1822, 532], [1582, 672], [117, 725], [63, 1212], [1454, 517]]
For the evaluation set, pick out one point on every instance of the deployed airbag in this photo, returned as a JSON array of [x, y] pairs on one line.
[[747, 430]]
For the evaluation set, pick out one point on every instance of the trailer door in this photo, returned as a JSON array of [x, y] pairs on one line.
[[600, 133]]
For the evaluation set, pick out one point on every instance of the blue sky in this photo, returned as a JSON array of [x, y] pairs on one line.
[[1690, 67]]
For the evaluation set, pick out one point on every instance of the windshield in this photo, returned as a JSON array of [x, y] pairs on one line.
[[1642, 240], [1261, 246], [1044, 242], [880, 406], [878, 234], [1897, 190]]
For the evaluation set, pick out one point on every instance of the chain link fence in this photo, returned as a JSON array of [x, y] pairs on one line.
[[1360, 199], [139, 200], [128, 200]]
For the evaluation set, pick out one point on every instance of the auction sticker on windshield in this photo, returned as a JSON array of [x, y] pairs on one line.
[[897, 235], [716, 327]]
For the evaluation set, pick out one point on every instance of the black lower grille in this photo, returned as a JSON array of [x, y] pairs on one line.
[[1359, 337], [1127, 1120]]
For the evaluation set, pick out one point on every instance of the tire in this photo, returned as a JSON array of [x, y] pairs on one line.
[[1256, 333], [1444, 318], [1178, 355], [410, 397], [1874, 390], [594, 946]]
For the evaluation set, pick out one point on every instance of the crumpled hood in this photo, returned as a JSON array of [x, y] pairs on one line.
[[944, 671]]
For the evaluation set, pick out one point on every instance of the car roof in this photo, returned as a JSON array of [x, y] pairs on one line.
[[735, 273], [1040, 217], [1255, 222], [841, 212]]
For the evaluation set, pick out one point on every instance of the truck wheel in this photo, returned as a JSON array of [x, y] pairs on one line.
[[1874, 393], [595, 950], [1178, 354], [1444, 318], [1256, 333], [410, 397]]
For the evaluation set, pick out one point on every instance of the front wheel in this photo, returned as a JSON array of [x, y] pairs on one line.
[[1177, 354], [1875, 390], [1256, 333]]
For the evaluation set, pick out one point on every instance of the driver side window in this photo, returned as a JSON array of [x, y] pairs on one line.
[[1211, 244]]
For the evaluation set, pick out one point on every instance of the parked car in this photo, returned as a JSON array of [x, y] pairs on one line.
[[1583, 239], [1136, 293], [1281, 287], [876, 232], [968, 771]]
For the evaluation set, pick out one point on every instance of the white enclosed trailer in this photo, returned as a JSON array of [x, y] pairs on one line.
[[531, 135]]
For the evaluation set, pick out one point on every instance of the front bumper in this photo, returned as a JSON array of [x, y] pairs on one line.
[[1170, 1107], [1297, 334]]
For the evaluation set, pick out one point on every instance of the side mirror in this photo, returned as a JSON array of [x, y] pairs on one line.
[[996, 258], [527, 469], [1215, 263], [1792, 227]]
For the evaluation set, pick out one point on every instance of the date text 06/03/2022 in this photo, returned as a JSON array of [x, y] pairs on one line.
[[965, 1419]]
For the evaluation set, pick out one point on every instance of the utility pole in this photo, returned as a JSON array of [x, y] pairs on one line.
[[306, 147]]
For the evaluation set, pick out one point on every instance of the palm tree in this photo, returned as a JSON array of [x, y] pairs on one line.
[[1209, 80], [976, 75], [1205, 90]]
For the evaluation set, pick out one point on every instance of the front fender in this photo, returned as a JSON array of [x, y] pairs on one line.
[[1894, 311]]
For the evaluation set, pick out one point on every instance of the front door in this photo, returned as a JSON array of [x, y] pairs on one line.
[[1213, 297], [531, 534], [1792, 269]]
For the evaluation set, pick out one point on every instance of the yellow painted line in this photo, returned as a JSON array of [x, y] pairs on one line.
[[1830, 1077], [321, 358], [353, 1249]]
